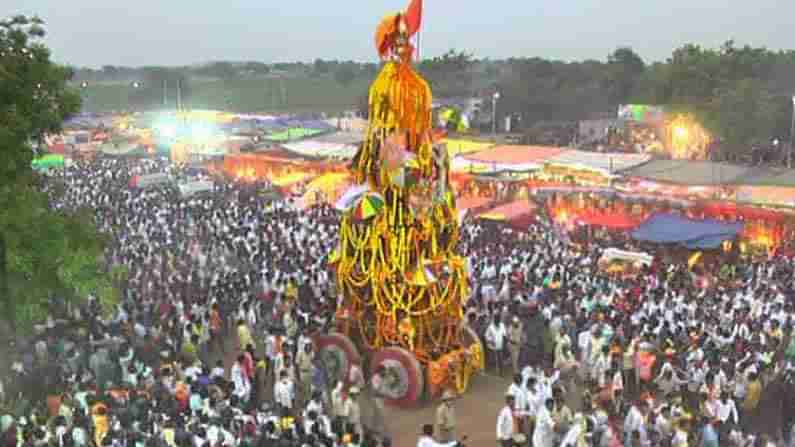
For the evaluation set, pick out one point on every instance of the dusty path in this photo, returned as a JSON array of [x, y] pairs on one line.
[[477, 410]]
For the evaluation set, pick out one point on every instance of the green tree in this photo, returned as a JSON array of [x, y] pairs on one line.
[[220, 70], [321, 67], [257, 68], [345, 75], [624, 69], [41, 251], [451, 74], [149, 93], [743, 113]]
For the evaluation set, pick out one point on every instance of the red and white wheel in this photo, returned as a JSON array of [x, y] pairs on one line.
[[404, 379], [337, 354]]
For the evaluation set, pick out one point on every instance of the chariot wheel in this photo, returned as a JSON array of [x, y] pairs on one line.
[[404, 377], [337, 354]]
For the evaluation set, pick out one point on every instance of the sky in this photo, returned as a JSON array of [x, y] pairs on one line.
[[92, 33]]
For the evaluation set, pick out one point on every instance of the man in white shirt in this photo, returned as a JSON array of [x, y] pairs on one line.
[[505, 428], [726, 410], [240, 379], [584, 348], [352, 411], [544, 433], [284, 391], [495, 342], [426, 439], [356, 377], [519, 397], [635, 419]]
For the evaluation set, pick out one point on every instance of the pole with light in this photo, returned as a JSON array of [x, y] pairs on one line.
[[84, 93], [135, 85], [494, 98], [791, 136]]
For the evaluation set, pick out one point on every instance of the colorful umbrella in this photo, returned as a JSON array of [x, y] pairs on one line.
[[351, 196], [368, 206]]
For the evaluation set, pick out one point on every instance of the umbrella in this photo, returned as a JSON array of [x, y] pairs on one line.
[[368, 206], [350, 197]]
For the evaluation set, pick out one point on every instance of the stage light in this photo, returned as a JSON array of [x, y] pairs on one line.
[[201, 134], [167, 130]]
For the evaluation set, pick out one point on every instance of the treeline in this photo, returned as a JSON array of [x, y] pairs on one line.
[[742, 94], [343, 71]]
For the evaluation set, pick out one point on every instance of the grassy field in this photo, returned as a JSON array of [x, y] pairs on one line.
[[245, 95]]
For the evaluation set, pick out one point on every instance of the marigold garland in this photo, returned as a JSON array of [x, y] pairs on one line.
[[401, 281]]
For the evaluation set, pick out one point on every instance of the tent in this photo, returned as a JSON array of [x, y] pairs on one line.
[[331, 185], [288, 180], [318, 149], [293, 133], [603, 163], [734, 211], [519, 214], [609, 219], [461, 146], [505, 158], [472, 202], [667, 228]]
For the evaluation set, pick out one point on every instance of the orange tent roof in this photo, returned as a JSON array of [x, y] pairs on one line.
[[515, 154], [519, 214], [468, 203]]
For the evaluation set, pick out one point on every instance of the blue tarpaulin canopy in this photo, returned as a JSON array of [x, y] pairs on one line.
[[675, 229]]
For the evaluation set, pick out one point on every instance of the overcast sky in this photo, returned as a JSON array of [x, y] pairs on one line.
[[176, 32]]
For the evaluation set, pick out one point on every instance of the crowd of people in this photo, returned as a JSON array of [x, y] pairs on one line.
[[668, 356], [212, 346]]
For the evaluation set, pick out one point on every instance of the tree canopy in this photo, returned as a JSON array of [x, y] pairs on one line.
[[148, 92], [696, 80], [43, 252]]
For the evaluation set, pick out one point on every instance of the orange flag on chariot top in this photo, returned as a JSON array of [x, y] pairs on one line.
[[414, 17]]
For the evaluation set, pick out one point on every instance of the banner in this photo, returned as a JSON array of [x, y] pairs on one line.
[[641, 113], [191, 188], [146, 181], [630, 256]]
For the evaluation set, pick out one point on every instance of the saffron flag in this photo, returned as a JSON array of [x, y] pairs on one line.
[[414, 17]]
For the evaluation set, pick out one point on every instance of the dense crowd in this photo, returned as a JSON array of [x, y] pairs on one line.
[[668, 356], [212, 343]]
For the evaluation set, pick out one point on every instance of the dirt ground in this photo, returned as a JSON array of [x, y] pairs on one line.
[[476, 414], [477, 410]]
